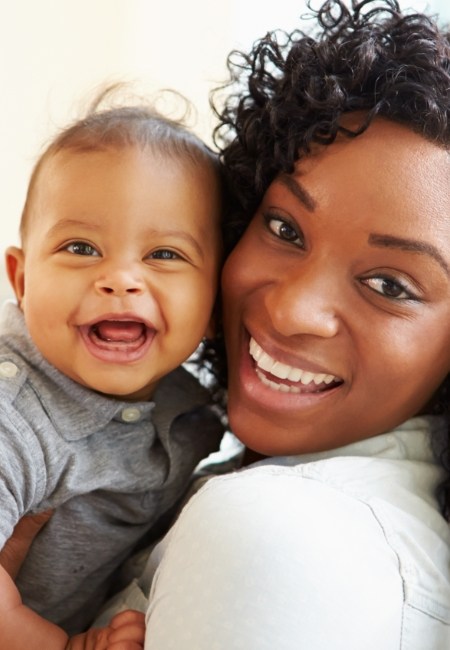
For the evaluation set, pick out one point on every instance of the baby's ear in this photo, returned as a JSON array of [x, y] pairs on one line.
[[15, 268]]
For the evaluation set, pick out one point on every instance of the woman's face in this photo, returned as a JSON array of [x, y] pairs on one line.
[[337, 298]]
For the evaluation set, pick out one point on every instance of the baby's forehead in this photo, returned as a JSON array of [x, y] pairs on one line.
[[69, 176], [200, 169]]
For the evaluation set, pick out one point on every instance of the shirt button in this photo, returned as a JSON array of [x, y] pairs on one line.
[[131, 414], [8, 369]]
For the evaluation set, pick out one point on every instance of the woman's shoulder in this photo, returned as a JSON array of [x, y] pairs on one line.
[[281, 537], [394, 495], [340, 552], [306, 519], [389, 474]]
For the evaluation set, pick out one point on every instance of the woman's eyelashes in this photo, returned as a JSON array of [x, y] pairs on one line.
[[284, 229], [391, 288], [386, 285]]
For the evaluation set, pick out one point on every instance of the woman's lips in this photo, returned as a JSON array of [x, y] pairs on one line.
[[293, 379]]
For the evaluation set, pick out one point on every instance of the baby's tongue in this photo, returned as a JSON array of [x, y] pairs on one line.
[[110, 330]]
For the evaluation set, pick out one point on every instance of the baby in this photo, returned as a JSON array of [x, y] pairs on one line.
[[115, 284]]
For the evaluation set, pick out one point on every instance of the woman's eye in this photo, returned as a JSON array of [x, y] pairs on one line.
[[390, 288], [164, 254], [283, 230], [82, 248]]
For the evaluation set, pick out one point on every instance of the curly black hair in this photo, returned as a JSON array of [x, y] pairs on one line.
[[292, 89]]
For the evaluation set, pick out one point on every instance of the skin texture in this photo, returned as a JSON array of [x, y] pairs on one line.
[[323, 283], [119, 235]]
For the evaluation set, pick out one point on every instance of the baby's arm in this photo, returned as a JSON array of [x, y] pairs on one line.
[[17, 546], [22, 628]]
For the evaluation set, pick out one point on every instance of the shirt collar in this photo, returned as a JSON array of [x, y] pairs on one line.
[[408, 441]]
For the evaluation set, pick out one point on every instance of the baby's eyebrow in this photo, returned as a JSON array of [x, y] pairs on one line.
[[413, 245], [68, 223], [178, 234], [298, 191]]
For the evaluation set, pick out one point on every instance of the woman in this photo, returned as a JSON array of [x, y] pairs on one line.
[[337, 311]]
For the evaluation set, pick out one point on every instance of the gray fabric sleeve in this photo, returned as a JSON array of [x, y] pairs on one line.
[[22, 470]]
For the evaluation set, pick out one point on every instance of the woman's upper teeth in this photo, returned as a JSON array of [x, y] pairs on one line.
[[283, 371]]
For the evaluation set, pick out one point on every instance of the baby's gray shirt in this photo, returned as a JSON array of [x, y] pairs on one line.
[[109, 468]]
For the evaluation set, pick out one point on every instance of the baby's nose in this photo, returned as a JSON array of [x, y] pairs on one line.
[[120, 283]]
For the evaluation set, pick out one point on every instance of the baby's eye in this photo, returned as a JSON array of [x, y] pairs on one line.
[[82, 248], [164, 254], [284, 230], [390, 288]]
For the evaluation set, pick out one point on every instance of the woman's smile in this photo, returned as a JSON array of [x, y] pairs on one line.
[[295, 380]]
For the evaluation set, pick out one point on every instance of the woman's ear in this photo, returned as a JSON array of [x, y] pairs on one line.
[[15, 268]]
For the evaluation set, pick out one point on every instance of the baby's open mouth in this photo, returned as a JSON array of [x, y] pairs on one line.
[[118, 332], [118, 340], [122, 336]]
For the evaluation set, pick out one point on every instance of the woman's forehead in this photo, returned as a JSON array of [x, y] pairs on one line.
[[388, 165]]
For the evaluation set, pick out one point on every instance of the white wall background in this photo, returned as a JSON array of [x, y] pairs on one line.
[[55, 53]]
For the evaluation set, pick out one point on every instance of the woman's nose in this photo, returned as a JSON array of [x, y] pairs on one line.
[[119, 282], [304, 302]]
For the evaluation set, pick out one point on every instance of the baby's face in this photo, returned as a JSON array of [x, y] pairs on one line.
[[119, 271]]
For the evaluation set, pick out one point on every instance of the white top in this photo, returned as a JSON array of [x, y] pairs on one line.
[[343, 549]]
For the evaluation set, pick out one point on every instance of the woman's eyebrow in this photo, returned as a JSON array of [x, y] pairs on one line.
[[375, 239], [298, 191], [412, 245]]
